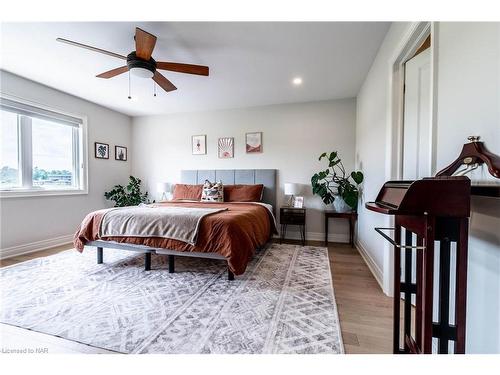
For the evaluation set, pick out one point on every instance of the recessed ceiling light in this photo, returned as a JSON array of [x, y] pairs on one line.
[[297, 81]]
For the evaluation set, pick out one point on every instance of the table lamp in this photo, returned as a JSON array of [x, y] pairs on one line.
[[291, 189], [163, 188]]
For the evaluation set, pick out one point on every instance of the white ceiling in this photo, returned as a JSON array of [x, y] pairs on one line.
[[250, 63]]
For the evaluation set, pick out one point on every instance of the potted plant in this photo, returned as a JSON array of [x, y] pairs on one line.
[[334, 182], [129, 195]]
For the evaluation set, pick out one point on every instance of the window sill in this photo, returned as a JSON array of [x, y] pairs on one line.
[[40, 193]]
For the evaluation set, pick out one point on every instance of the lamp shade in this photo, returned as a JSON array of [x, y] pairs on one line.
[[163, 187], [292, 188]]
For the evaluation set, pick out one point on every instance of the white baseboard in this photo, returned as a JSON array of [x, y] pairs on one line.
[[317, 236], [10, 252], [374, 268]]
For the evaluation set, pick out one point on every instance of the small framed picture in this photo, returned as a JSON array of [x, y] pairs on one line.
[[253, 142], [101, 150], [121, 153], [298, 202], [226, 147], [199, 144]]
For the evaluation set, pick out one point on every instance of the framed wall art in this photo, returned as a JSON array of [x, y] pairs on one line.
[[199, 144], [298, 202], [101, 150], [226, 147], [121, 153], [253, 142]]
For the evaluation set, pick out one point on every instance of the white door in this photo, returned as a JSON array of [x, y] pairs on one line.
[[417, 126], [417, 117]]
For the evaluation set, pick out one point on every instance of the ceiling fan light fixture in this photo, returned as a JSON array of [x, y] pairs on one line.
[[141, 68], [141, 72]]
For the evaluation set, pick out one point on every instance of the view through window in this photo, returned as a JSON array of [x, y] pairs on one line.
[[52, 154], [40, 149]]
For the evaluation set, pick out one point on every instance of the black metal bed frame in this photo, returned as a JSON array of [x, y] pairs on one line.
[[147, 251]]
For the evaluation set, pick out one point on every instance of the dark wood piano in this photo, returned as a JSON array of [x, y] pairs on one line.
[[431, 230]]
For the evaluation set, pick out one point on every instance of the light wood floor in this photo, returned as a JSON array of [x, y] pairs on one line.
[[365, 312]]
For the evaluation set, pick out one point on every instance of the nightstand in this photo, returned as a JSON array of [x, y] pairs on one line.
[[352, 216], [293, 216]]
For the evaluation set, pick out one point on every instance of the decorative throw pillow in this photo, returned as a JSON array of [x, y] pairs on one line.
[[243, 193], [187, 192], [212, 192]]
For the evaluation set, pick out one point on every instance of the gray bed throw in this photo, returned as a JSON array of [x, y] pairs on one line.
[[177, 223]]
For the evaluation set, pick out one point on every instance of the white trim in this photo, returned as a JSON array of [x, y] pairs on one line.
[[414, 36], [32, 247], [6, 95], [82, 157], [24, 193], [25, 151], [409, 43], [372, 265], [434, 96]]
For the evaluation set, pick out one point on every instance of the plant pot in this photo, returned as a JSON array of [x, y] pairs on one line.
[[340, 205]]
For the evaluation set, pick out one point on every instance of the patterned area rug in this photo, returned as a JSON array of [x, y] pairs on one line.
[[284, 303]]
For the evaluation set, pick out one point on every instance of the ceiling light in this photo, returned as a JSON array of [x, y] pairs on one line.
[[141, 72], [297, 81]]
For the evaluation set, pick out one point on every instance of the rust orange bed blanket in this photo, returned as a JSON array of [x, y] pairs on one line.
[[234, 233]]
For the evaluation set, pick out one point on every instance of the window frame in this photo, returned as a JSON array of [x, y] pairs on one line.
[[80, 149]]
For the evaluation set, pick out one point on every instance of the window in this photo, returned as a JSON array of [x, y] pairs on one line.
[[52, 145], [9, 152], [42, 151]]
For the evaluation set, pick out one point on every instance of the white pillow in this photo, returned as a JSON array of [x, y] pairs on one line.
[[212, 192]]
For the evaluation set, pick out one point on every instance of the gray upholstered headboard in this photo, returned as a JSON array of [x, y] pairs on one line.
[[266, 177]]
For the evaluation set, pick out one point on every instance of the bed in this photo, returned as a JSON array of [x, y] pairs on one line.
[[232, 235]]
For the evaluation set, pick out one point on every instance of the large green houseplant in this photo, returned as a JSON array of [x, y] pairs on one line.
[[129, 195], [334, 181]]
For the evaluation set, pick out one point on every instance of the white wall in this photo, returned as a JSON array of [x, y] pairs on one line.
[[294, 135], [55, 219], [371, 145], [468, 103]]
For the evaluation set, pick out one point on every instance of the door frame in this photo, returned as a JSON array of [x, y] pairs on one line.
[[415, 35]]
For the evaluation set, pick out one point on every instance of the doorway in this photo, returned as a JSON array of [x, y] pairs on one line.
[[417, 129], [411, 147]]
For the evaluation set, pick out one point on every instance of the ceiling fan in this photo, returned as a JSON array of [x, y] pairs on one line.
[[141, 64]]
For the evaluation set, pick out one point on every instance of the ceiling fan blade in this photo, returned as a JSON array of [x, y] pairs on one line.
[[183, 68], [163, 82], [95, 49], [113, 72], [144, 44]]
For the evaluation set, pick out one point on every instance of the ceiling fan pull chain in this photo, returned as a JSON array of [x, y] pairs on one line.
[[129, 96], [154, 88]]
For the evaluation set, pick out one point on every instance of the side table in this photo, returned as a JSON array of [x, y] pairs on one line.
[[352, 216]]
